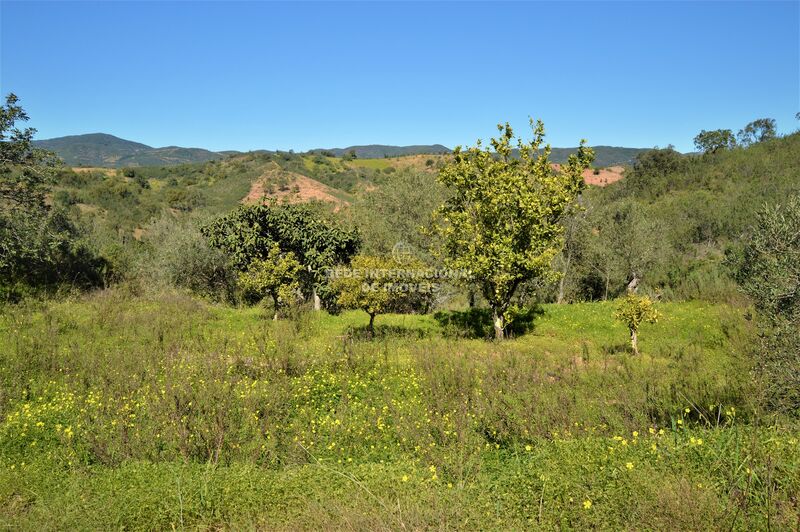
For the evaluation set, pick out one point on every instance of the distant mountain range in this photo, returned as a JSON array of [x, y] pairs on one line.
[[378, 151], [104, 150], [604, 156], [101, 149]]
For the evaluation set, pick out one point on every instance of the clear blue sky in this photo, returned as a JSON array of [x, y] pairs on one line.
[[304, 75]]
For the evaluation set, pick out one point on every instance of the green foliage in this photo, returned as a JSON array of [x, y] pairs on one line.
[[378, 285], [714, 141], [170, 412], [757, 131], [502, 220], [767, 268], [634, 310], [176, 254], [250, 232], [275, 276], [652, 172], [398, 210], [478, 322], [681, 214], [39, 246]]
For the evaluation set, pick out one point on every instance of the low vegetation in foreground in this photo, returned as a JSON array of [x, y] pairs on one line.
[[169, 412]]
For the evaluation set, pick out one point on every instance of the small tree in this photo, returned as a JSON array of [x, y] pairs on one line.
[[376, 285], [714, 141], [757, 131], [275, 276], [633, 310], [503, 220]]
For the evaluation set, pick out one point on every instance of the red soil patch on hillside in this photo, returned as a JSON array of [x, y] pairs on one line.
[[290, 187], [603, 177]]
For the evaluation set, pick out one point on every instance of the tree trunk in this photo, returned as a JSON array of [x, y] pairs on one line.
[[371, 327], [275, 302], [471, 299], [634, 342], [563, 282], [499, 325], [317, 300]]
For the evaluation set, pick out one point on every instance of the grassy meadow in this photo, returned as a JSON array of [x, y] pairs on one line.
[[168, 412]]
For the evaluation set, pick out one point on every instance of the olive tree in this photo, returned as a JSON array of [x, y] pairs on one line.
[[502, 221], [767, 267]]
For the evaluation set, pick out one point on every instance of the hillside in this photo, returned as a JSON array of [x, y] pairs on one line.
[[604, 155], [101, 149], [376, 151], [104, 150]]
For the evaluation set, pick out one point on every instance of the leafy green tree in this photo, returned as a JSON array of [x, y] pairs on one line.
[[378, 285], [652, 173], [39, 245], [633, 310], [25, 172], [249, 232], [275, 276], [714, 141], [767, 267], [503, 219], [757, 131]]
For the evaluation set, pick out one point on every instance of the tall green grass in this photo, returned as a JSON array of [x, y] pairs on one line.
[[122, 412]]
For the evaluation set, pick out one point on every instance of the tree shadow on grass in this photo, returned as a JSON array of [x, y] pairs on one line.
[[362, 333], [477, 322], [615, 349]]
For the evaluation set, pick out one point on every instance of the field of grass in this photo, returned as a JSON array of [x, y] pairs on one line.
[[124, 412], [375, 164]]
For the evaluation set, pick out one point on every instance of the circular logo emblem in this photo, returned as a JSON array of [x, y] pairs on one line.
[[402, 253]]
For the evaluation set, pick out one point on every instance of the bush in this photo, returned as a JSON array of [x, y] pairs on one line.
[[177, 255]]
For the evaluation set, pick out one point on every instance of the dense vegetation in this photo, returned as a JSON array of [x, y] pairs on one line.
[[143, 385]]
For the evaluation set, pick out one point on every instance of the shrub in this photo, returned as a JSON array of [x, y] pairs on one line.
[[634, 310], [767, 268], [276, 276], [177, 255]]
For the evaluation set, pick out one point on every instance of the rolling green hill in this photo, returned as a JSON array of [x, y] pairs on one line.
[[603, 155], [102, 149]]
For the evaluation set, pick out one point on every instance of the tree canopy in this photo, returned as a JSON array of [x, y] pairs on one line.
[[502, 220], [714, 141], [249, 232]]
